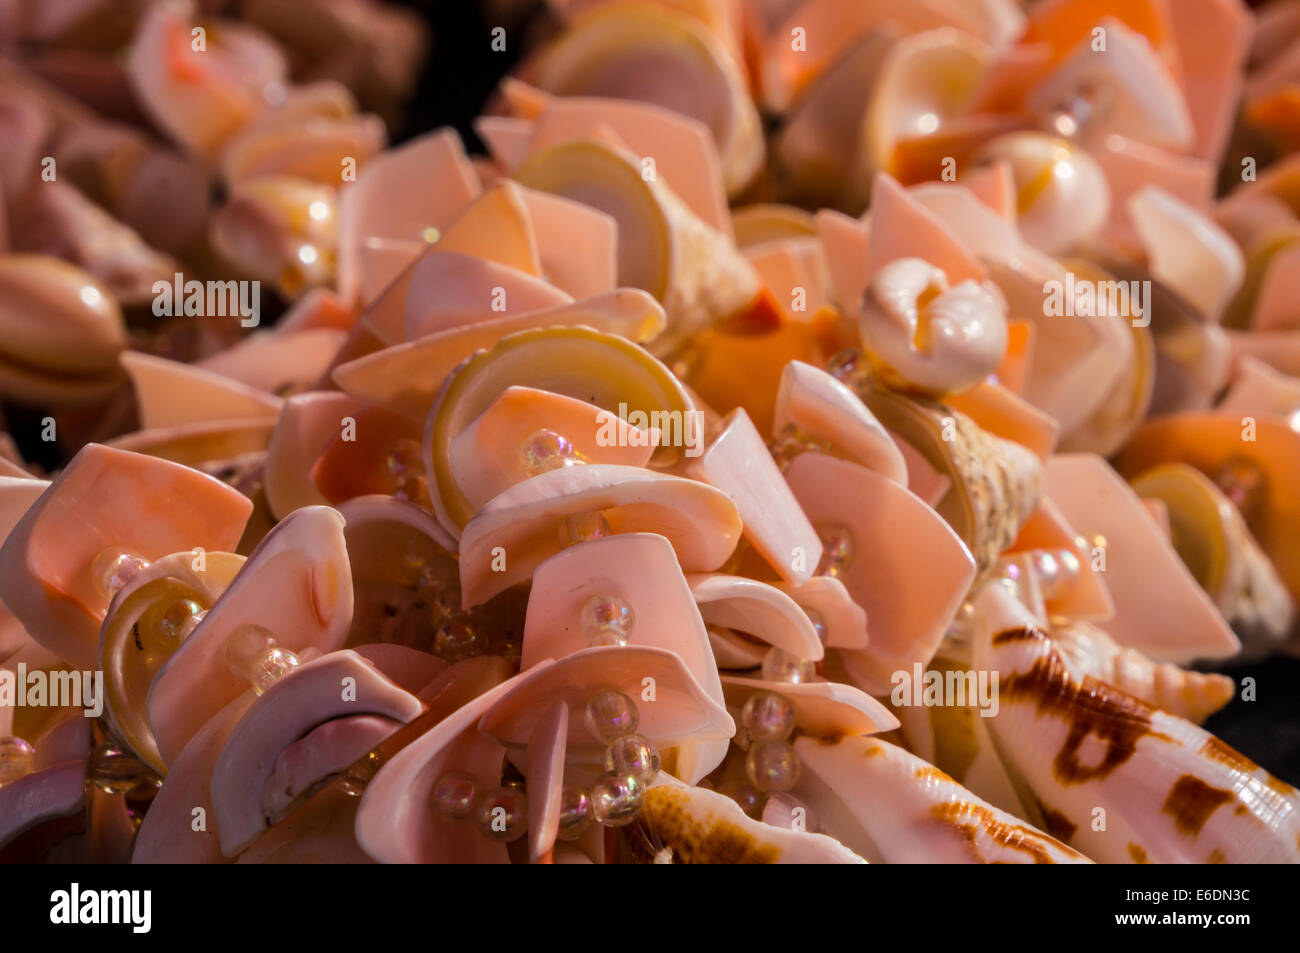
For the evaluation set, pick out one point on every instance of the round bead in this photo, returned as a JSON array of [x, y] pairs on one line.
[[272, 665], [746, 795], [116, 772], [582, 527], [616, 799], [781, 666], [611, 715], [575, 813], [632, 755], [545, 450], [607, 620], [837, 550], [503, 814], [245, 646], [768, 716], [114, 568], [180, 619], [454, 795], [818, 623], [772, 766], [1055, 569], [17, 758]]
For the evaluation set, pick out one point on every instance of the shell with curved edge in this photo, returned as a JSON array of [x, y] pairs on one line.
[[821, 709]]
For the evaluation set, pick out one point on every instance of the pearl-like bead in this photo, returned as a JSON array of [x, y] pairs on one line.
[[545, 450], [1055, 569], [454, 795], [837, 550], [575, 813], [503, 814], [114, 568], [607, 620], [611, 715], [780, 666], [768, 716], [772, 766], [582, 527], [633, 755], [616, 799], [180, 619], [17, 758], [269, 667], [245, 646]]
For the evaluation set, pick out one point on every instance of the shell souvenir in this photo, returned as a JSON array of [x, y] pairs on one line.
[[751, 431]]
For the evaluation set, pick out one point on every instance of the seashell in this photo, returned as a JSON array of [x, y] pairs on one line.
[[904, 228], [17, 495], [173, 394], [138, 636], [577, 244], [398, 195], [699, 826], [390, 376], [701, 522], [303, 563], [758, 610], [373, 452], [1062, 194], [35, 364], [737, 463], [995, 483], [1171, 791], [293, 708], [544, 771], [756, 225], [816, 403], [1089, 651], [602, 369], [306, 425], [105, 499], [923, 335], [56, 797], [892, 535], [312, 147], [279, 229], [1214, 543], [1082, 595], [824, 598], [821, 709], [279, 364], [1256, 387], [1000, 411], [657, 55], [663, 247], [892, 807]]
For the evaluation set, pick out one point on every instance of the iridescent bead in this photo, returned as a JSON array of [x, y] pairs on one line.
[[632, 755], [582, 527], [358, 775], [746, 795], [791, 442], [114, 568], [607, 620], [575, 813], [780, 666], [1055, 569], [837, 550], [17, 758], [116, 772], [545, 450], [616, 799], [245, 646], [611, 715], [453, 795], [269, 667], [457, 639], [503, 814], [768, 716], [180, 619], [772, 766], [849, 368], [818, 623]]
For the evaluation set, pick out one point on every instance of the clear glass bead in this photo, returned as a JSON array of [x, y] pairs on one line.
[[768, 716], [780, 666], [454, 795], [114, 568], [632, 754], [607, 620], [269, 667], [837, 550], [503, 814], [616, 799], [611, 715], [116, 772], [582, 527], [245, 646], [772, 766], [818, 623], [545, 450], [17, 758], [180, 619], [575, 813]]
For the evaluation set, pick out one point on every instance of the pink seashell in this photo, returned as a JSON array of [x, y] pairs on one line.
[[738, 464], [106, 499], [407, 668], [846, 243], [1085, 596], [578, 244], [278, 363], [306, 426], [845, 620], [1275, 307], [55, 793], [17, 495], [172, 394], [758, 610], [1213, 39], [1256, 389], [283, 714], [821, 709], [899, 544], [903, 228], [1001, 412], [545, 774], [296, 583]]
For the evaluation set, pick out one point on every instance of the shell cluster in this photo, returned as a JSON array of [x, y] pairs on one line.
[[811, 432]]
